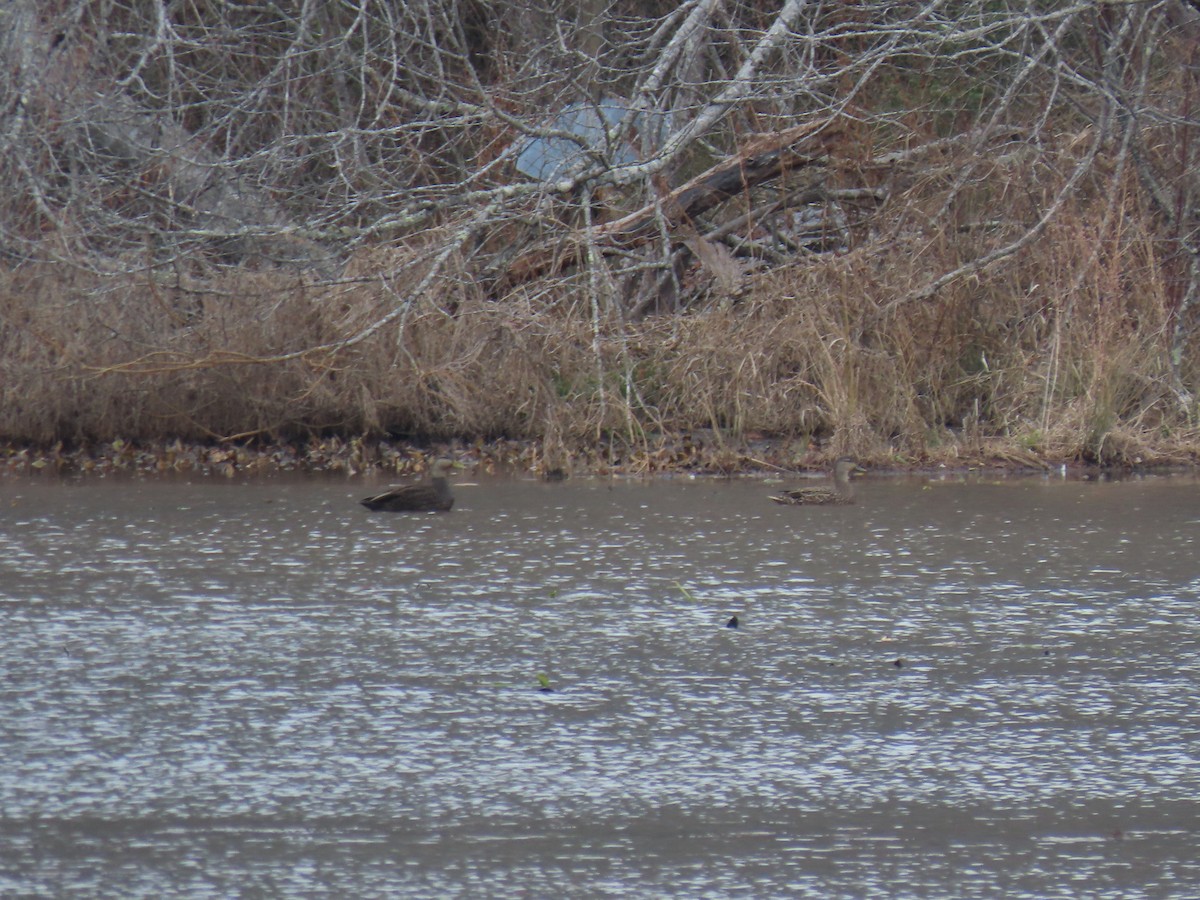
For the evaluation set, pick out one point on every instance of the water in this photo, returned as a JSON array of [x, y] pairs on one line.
[[968, 689]]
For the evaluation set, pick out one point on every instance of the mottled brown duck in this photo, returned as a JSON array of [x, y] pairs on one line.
[[841, 492], [432, 497]]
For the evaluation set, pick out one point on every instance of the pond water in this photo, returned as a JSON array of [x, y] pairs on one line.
[[953, 688]]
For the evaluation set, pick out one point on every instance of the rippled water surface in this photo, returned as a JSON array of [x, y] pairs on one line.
[[967, 689]]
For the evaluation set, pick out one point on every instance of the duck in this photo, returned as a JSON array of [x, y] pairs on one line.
[[432, 497], [841, 492]]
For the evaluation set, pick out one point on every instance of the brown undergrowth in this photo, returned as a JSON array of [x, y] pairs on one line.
[[1061, 352]]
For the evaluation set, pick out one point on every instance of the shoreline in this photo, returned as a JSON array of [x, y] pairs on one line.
[[692, 455]]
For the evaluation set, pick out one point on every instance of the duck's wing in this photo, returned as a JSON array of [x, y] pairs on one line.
[[393, 496], [411, 498], [385, 495], [798, 495], [806, 496]]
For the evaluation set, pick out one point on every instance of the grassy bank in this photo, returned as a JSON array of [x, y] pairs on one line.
[[1067, 351]]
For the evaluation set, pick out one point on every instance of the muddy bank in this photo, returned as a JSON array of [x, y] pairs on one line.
[[688, 454]]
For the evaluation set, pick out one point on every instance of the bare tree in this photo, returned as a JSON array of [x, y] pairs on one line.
[[653, 153]]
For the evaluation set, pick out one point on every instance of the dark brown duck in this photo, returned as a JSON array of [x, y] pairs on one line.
[[434, 496]]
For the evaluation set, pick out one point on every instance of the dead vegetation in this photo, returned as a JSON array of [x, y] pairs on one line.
[[1058, 353], [751, 234]]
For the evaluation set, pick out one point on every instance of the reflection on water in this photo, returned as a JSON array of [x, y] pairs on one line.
[[967, 689]]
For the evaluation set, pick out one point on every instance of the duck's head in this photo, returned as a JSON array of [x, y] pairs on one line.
[[846, 466], [443, 467]]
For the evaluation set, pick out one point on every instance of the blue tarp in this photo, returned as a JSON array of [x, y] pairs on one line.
[[547, 158]]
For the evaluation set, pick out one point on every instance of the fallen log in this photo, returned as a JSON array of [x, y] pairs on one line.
[[765, 158]]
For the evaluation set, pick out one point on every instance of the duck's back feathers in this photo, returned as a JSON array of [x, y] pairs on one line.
[[814, 496], [414, 498]]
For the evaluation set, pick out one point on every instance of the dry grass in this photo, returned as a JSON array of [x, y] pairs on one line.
[[1061, 352]]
